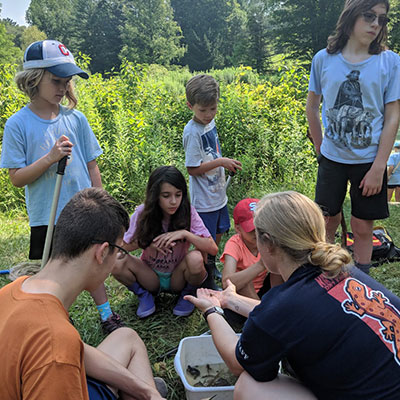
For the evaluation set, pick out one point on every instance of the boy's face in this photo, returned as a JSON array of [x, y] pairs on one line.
[[365, 32], [52, 89], [203, 114], [249, 238]]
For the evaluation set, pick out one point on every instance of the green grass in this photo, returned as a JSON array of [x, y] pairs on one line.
[[162, 331]]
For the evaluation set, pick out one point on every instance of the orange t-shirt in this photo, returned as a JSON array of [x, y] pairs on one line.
[[41, 352], [236, 248]]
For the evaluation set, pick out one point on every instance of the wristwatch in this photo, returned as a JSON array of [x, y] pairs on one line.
[[213, 310]]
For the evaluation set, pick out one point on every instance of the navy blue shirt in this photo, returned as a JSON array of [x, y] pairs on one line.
[[341, 336]]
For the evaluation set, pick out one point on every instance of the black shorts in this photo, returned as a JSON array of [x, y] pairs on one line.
[[38, 238], [393, 186], [331, 189]]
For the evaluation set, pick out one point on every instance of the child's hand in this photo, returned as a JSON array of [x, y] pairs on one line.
[[371, 184], [62, 148], [231, 164], [168, 240]]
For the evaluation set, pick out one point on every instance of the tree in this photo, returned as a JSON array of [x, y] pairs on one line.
[[258, 33], [150, 33], [8, 52], [213, 31], [97, 32], [394, 26], [31, 34], [303, 26], [14, 30], [53, 17]]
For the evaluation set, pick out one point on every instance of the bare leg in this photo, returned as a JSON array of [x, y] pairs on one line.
[[396, 194], [390, 194], [191, 270], [218, 237], [99, 295], [125, 346], [332, 224], [281, 388], [131, 269], [362, 230]]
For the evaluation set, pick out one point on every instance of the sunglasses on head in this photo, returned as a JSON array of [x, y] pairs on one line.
[[370, 17]]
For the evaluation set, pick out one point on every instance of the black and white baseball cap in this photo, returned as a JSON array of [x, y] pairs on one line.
[[54, 57]]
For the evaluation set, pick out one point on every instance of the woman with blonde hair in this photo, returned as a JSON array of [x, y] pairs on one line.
[[335, 327]]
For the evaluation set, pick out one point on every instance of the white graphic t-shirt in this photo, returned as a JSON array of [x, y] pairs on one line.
[[354, 97], [201, 144]]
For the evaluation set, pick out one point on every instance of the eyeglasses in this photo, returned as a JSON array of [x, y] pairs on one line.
[[370, 17], [121, 250]]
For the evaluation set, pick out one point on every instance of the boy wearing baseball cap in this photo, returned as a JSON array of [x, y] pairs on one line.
[[242, 263], [42, 133]]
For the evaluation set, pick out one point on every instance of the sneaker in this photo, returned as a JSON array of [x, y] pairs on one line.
[[161, 387], [146, 301], [146, 305], [112, 323], [183, 307]]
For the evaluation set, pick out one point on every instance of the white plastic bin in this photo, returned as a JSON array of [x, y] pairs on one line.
[[200, 350]]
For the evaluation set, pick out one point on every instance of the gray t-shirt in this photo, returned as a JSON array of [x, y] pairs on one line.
[[207, 191], [354, 97]]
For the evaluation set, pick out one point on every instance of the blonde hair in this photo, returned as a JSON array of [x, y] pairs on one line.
[[294, 223], [28, 82], [202, 89]]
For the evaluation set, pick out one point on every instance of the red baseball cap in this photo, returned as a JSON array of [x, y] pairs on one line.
[[243, 214]]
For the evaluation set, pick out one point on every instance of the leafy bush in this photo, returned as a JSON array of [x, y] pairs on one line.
[[139, 113]]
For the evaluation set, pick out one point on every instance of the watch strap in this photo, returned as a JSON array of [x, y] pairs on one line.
[[213, 310]]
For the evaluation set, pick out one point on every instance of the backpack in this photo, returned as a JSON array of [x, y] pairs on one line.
[[383, 250]]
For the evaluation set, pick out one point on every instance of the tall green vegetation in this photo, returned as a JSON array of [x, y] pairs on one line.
[[139, 114]]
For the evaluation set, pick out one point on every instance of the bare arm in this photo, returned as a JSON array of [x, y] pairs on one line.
[[313, 118], [101, 366], [94, 173], [372, 181], [168, 239], [23, 176], [240, 278], [227, 163], [224, 337], [390, 169]]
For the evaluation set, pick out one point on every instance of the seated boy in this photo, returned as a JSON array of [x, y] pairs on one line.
[[43, 356], [241, 259]]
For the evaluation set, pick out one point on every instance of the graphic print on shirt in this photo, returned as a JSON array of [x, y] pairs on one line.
[[349, 125], [373, 304], [211, 151]]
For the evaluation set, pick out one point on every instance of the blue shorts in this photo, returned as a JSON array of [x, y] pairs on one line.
[[98, 390], [216, 221]]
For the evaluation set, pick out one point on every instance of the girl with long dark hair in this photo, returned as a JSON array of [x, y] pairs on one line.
[[165, 226]]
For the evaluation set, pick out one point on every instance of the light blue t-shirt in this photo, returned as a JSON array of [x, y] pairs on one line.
[[207, 191], [28, 138], [394, 160], [354, 97]]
